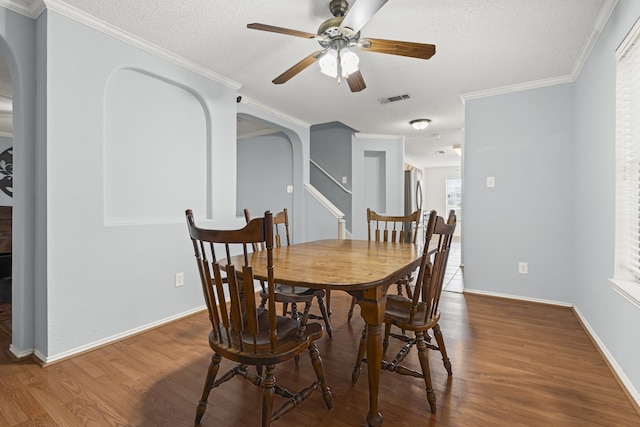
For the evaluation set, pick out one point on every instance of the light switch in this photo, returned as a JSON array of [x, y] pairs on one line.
[[344, 179], [289, 188], [491, 181]]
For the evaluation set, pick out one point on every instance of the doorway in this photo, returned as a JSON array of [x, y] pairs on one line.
[[6, 196]]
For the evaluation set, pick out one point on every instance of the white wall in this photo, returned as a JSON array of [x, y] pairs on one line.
[[435, 194], [393, 192]]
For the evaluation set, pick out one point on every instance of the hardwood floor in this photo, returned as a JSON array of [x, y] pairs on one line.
[[514, 363]]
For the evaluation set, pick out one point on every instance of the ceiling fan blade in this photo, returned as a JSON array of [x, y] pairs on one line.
[[281, 30], [356, 82], [360, 13], [395, 47], [291, 72]]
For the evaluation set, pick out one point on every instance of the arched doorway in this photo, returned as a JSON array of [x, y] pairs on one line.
[[6, 196]]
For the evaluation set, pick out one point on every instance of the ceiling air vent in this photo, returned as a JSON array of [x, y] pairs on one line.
[[395, 98], [441, 152]]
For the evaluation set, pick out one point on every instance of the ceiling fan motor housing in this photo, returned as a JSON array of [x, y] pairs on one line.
[[338, 7]]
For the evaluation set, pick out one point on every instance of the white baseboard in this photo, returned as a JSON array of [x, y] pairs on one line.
[[100, 343], [623, 379], [518, 297]]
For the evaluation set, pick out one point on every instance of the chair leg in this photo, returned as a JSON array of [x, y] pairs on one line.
[[285, 308], [268, 392], [316, 362], [353, 304], [294, 311], [443, 350], [208, 385], [361, 349], [325, 316], [328, 292], [423, 356], [385, 341]]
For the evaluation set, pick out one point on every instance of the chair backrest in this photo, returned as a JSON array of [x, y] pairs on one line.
[[280, 221], [388, 228], [433, 264], [236, 322]]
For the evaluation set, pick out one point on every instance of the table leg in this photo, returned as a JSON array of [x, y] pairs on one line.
[[372, 311]]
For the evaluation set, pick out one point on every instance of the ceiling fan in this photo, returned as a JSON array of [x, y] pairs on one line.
[[338, 35]]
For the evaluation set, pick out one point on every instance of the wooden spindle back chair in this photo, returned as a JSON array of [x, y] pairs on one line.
[[243, 332], [392, 229], [291, 296], [420, 312]]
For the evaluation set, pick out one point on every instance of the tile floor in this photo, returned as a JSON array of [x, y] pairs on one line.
[[453, 281]]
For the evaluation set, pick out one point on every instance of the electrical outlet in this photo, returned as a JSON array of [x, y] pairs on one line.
[[179, 279], [491, 181], [523, 268]]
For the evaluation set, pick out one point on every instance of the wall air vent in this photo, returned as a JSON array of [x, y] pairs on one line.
[[394, 98]]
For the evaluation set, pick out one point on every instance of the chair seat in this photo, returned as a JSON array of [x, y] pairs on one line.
[[397, 313], [288, 343]]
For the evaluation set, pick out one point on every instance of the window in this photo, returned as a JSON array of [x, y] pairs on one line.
[[627, 259], [454, 194]]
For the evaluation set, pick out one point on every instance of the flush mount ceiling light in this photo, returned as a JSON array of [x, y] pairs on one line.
[[420, 124]]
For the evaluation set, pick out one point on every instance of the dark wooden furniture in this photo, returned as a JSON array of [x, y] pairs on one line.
[[363, 269], [5, 259], [391, 229], [420, 312], [5, 229], [241, 331], [294, 295]]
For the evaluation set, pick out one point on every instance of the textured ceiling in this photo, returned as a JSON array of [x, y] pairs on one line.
[[482, 45]]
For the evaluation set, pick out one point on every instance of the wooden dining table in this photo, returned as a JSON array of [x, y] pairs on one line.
[[362, 268]]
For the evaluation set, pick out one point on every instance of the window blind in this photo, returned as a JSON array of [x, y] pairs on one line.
[[628, 153]]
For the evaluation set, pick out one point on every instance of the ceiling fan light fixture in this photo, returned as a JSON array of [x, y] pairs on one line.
[[420, 124], [349, 62], [329, 63]]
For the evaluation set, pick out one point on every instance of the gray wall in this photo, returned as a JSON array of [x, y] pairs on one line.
[[331, 149], [614, 320], [18, 46], [93, 262], [525, 141], [265, 169], [552, 152]]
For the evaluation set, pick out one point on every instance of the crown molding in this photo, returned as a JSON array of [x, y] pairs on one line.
[[32, 8], [274, 112], [517, 88], [601, 20], [115, 32]]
